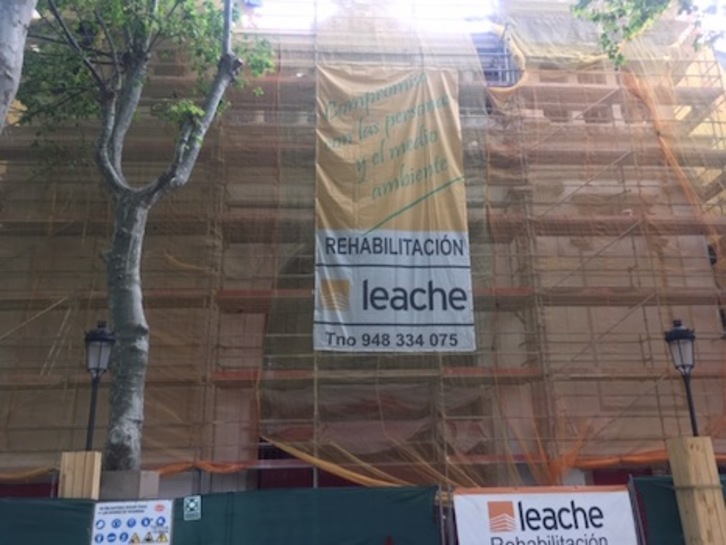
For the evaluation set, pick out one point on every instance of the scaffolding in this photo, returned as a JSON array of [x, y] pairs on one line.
[[595, 200]]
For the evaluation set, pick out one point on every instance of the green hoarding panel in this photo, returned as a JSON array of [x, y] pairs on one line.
[[660, 518], [346, 516], [45, 522], [659, 511]]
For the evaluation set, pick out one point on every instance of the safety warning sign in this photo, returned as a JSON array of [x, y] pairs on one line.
[[131, 522]]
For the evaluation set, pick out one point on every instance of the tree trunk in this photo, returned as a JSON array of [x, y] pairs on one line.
[[131, 351], [15, 16]]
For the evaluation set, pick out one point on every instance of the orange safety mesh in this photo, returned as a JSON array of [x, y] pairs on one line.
[[594, 198]]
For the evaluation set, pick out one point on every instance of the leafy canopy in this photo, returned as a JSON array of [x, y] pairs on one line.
[[81, 49], [621, 20]]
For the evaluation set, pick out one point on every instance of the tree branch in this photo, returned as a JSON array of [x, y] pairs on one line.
[[227, 32], [112, 46], [111, 175], [125, 102], [153, 8], [16, 16], [68, 35], [50, 24], [70, 94], [192, 135], [107, 98], [168, 16], [62, 41]]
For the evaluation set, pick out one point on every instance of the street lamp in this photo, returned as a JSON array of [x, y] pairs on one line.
[[680, 342], [99, 342]]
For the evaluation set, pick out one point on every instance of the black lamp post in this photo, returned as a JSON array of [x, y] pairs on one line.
[[99, 342], [680, 342]]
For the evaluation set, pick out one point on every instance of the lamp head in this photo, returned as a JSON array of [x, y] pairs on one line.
[[99, 342], [680, 343]]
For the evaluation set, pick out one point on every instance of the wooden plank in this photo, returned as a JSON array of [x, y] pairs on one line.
[[80, 475], [698, 490]]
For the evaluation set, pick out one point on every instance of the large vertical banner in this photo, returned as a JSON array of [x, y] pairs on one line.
[[392, 252]]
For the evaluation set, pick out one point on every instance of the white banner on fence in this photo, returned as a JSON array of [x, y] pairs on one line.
[[545, 516], [132, 522]]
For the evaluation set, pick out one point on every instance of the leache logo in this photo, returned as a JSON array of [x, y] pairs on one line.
[[533, 519], [335, 294], [501, 516]]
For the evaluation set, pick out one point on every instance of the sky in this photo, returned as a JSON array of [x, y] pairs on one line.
[[452, 15], [714, 21], [297, 14]]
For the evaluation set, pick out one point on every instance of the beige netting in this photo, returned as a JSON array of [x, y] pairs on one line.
[[595, 197]]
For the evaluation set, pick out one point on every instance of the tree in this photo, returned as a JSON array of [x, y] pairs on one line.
[[90, 59], [621, 20], [15, 17]]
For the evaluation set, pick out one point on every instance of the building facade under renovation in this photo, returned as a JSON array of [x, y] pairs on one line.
[[592, 211]]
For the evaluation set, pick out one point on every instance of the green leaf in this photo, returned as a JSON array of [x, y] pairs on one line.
[[621, 20], [114, 36]]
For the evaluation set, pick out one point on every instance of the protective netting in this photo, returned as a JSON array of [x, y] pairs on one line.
[[595, 208]]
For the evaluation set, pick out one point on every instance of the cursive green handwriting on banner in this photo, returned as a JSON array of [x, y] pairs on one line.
[[334, 109]]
